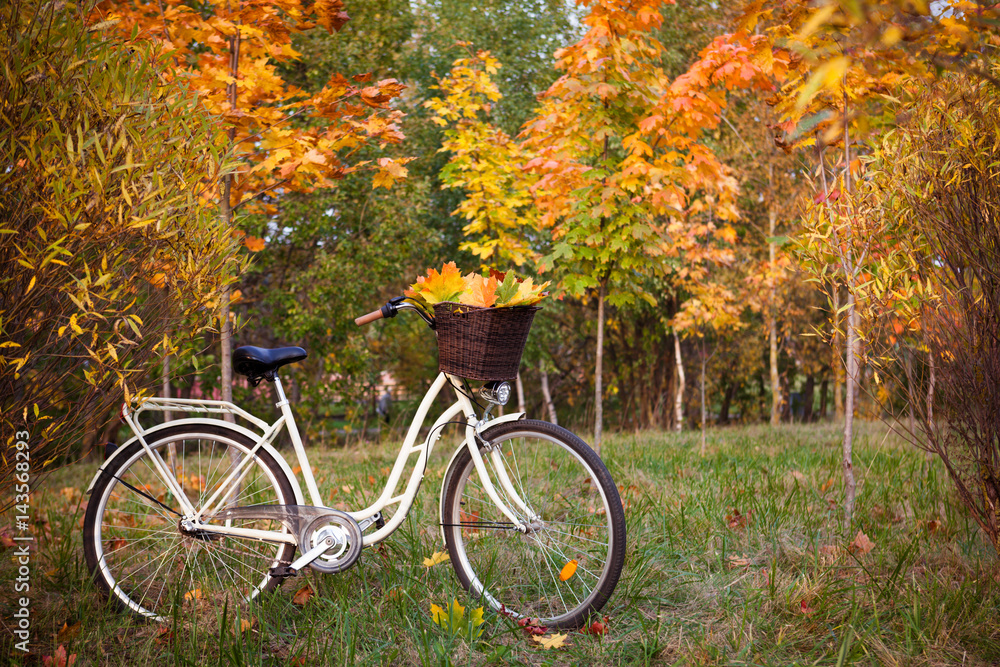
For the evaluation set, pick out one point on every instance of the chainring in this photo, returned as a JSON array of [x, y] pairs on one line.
[[347, 541]]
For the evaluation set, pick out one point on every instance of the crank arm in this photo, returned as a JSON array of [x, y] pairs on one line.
[[311, 555]]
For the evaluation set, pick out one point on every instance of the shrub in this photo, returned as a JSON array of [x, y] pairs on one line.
[[105, 244]]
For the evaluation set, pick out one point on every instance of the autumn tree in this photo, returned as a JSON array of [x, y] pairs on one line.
[[231, 57]]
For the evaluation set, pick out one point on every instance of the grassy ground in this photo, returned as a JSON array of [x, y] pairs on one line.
[[738, 557]]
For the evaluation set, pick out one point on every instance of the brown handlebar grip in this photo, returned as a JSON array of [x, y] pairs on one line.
[[370, 317]]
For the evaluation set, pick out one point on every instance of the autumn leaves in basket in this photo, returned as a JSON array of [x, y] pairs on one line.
[[492, 290]]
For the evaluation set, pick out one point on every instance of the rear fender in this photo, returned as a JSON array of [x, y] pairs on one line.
[[149, 435]]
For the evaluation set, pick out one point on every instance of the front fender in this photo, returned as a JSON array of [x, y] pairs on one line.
[[194, 423], [513, 417]]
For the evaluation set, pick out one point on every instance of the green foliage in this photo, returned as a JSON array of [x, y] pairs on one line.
[[107, 246]]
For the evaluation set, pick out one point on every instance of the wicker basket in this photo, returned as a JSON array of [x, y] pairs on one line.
[[481, 343]]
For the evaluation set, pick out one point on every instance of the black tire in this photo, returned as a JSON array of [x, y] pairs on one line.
[[134, 547], [579, 518]]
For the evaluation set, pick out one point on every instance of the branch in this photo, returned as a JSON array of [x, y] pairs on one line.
[[260, 194]]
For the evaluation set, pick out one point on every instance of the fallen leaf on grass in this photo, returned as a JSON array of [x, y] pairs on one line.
[[247, 624], [596, 628], [6, 541], [165, 635], [736, 562], [59, 658], [797, 475], [861, 544], [552, 641], [453, 619], [826, 485], [736, 520], [932, 526], [806, 609], [68, 632], [532, 626], [302, 595], [193, 595], [436, 557]]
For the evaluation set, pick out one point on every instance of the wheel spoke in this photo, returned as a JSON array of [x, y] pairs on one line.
[[525, 572], [135, 546]]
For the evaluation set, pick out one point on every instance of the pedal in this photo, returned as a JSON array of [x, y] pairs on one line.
[[284, 571]]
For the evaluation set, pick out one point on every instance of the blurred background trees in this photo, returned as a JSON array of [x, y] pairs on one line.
[[745, 181]]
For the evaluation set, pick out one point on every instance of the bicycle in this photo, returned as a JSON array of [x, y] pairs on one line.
[[201, 510]]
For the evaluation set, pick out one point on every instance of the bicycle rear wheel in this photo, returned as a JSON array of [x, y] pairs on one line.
[[133, 542], [567, 564]]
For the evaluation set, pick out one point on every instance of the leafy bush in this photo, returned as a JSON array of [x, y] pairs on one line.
[[106, 246], [932, 206]]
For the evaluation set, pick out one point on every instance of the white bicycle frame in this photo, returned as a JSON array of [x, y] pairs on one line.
[[519, 515]]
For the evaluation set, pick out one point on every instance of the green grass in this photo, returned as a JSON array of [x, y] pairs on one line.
[[736, 558]]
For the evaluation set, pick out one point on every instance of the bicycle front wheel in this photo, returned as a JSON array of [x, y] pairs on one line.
[[135, 546], [567, 563]]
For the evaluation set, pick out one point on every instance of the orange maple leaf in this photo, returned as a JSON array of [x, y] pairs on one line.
[[479, 291]]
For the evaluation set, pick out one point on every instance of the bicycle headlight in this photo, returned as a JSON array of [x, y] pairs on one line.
[[496, 392]]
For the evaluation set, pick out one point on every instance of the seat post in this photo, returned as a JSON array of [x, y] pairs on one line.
[[282, 400]]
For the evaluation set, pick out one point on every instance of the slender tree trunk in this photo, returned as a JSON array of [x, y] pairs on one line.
[[547, 396], [772, 320], [853, 322], [911, 392], [167, 416], [931, 381], [838, 360], [226, 331], [679, 396], [520, 393], [598, 371], [847, 460], [704, 413]]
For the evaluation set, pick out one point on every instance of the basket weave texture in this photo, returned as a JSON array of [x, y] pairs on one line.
[[481, 343]]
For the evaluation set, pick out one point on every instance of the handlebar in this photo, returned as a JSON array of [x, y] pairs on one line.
[[370, 317], [391, 309]]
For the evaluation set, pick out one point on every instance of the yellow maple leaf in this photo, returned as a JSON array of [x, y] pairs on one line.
[[436, 287], [551, 641], [436, 557]]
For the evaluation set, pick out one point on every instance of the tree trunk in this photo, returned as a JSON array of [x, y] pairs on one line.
[[172, 447], [852, 376], [824, 389], [838, 360], [598, 370], [931, 381], [520, 393], [226, 331], [911, 392], [727, 400], [704, 414], [547, 396], [679, 396], [807, 399], [772, 307]]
